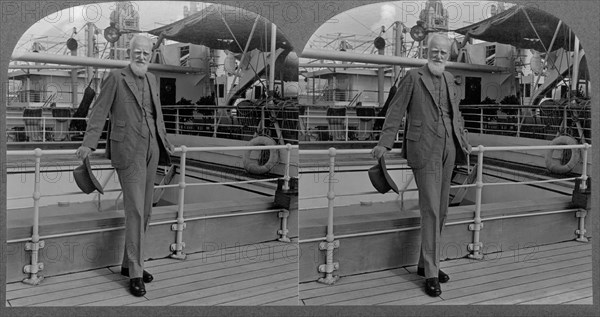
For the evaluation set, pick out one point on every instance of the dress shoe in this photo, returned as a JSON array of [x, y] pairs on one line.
[[442, 277], [432, 287], [137, 287], [146, 276]]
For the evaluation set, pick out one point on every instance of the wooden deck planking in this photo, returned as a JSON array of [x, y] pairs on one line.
[[269, 297], [583, 301], [531, 275], [562, 298], [262, 271], [521, 296]]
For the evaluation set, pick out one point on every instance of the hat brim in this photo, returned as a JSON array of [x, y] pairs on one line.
[[85, 179], [388, 178], [380, 179]]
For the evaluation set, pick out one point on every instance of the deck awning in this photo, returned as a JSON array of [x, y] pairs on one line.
[[522, 27], [210, 27]]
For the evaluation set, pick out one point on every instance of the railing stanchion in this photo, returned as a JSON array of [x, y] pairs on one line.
[[43, 129], [480, 120], [584, 176], [178, 246], [581, 214], [177, 121], [215, 127], [286, 176], [477, 225], [35, 245], [518, 122], [346, 123], [330, 244]]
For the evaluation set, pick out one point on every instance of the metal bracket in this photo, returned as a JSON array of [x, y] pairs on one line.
[[29, 269], [476, 226], [323, 246], [324, 268], [34, 246], [472, 247], [178, 226], [581, 214], [177, 246], [34, 280]]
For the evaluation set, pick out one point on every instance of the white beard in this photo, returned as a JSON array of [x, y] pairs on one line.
[[437, 69], [139, 70]]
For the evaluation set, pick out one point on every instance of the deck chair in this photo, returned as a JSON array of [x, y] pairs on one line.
[[61, 126], [33, 126], [365, 125], [337, 126]]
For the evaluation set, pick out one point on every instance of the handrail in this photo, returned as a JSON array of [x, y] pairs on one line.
[[36, 243], [475, 225]]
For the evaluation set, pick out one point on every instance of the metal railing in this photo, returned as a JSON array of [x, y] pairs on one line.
[[41, 129], [240, 123], [36, 242], [342, 128], [329, 242], [536, 122], [341, 95]]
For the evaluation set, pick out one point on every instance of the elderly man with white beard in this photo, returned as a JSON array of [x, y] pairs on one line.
[[137, 144], [434, 141]]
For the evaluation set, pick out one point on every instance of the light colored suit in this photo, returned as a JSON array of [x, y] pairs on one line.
[[135, 147], [430, 151]]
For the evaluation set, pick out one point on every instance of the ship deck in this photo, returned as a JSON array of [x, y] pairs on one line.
[[256, 274], [559, 273]]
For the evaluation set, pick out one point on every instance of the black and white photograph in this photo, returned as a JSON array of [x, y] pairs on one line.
[[152, 155], [445, 157], [299, 158]]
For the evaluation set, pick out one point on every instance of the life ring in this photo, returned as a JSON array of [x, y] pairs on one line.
[[252, 165], [554, 165]]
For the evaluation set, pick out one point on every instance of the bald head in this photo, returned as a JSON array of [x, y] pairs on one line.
[[439, 40], [140, 41]]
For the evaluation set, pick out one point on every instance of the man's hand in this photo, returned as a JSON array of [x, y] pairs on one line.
[[170, 149], [379, 151], [83, 152], [469, 148]]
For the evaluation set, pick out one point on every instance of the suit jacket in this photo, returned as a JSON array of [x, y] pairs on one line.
[[424, 132], [120, 97]]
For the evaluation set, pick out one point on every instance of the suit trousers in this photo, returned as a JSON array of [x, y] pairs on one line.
[[137, 183], [433, 183]]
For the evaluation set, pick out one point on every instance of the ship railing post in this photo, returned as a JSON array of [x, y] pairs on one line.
[[284, 214], [477, 246], [43, 129], [346, 123], [215, 123], [179, 245], [307, 113], [35, 245], [581, 214], [330, 243], [481, 120], [177, 121], [584, 175], [286, 176], [518, 122]]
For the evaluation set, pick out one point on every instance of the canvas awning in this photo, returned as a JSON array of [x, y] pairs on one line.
[[522, 27], [210, 27]]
